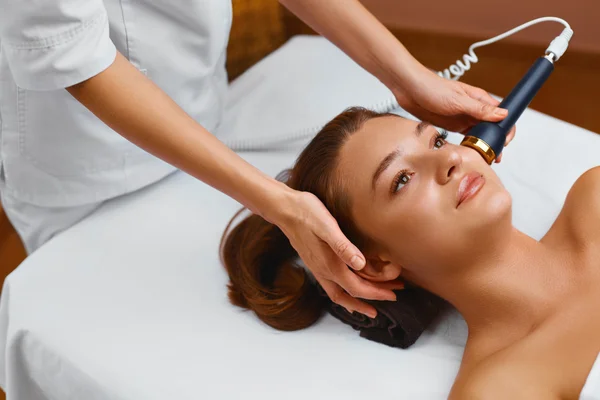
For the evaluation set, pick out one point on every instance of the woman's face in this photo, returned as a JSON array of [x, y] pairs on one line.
[[404, 180]]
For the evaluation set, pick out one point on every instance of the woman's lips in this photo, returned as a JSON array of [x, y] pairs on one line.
[[469, 187]]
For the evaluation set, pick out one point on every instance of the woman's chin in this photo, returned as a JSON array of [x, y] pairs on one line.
[[487, 208]]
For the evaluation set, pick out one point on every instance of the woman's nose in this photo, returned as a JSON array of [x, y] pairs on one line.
[[449, 164]]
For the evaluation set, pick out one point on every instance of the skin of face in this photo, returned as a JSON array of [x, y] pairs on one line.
[[411, 212]]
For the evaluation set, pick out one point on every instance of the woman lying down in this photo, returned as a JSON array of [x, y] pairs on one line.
[[396, 188]]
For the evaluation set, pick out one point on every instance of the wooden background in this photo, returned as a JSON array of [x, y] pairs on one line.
[[261, 26]]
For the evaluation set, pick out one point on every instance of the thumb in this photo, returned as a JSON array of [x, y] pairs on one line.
[[483, 111], [344, 249]]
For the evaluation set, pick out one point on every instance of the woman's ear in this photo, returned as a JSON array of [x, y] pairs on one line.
[[379, 270]]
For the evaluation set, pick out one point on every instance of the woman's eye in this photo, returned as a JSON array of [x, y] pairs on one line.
[[401, 179], [439, 142]]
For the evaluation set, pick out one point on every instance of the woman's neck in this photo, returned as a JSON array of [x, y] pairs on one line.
[[509, 288]]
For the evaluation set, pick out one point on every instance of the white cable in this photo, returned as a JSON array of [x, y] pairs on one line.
[[460, 67], [557, 47]]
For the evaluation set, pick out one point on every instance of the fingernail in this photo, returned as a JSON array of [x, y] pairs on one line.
[[357, 262], [372, 314], [501, 112]]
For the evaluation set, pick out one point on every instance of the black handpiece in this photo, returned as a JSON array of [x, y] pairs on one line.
[[488, 137]]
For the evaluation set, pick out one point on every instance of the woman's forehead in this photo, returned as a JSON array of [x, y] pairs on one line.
[[367, 147]]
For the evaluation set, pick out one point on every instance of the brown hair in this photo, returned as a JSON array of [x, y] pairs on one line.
[[261, 262]]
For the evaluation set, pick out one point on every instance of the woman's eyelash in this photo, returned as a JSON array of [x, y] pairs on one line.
[[443, 135], [406, 175], [398, 179]]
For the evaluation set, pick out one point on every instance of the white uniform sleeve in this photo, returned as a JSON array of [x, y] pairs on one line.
[[53, 44]]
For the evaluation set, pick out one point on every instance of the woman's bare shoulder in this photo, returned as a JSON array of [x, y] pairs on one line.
[[495, 379], [577, 225], [587, 184], [582, 207], [479, 376]]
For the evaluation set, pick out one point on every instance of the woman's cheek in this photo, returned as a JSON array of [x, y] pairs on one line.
[[427, 204]]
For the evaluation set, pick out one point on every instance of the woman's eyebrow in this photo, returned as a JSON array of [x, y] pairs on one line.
[[389, 159], [385, 163]]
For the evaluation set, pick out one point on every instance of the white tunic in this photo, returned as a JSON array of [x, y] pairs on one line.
[[53, 151]]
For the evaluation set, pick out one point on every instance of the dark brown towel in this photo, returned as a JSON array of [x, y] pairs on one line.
[[398, 323]]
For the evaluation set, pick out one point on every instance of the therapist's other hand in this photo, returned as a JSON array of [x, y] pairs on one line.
[[327, 253], [451, 105]]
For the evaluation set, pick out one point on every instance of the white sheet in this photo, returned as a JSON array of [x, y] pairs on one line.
[[131, 303]]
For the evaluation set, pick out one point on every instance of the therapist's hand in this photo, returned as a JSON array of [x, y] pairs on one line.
[[350, 26], [327, 253], [452, 105]]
